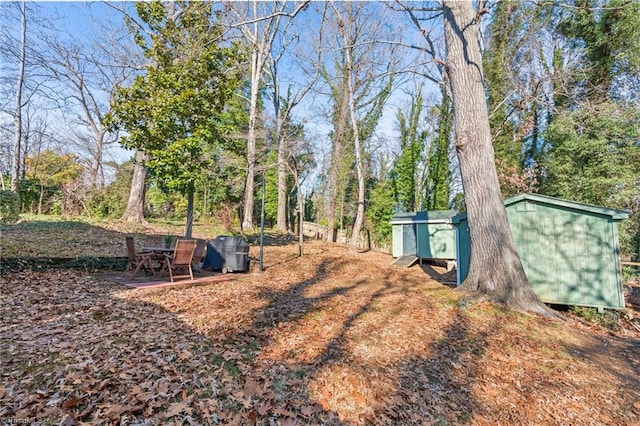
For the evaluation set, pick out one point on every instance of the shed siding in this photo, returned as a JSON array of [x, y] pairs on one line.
[[409, 242], [463, 243], [438, 241], [569, 255], [396, 236], [428, 235]]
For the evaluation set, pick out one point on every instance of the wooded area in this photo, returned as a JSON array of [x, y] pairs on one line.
[[346, 112]]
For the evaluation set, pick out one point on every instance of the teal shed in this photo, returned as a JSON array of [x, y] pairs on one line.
[[569, 250], [424, 235]]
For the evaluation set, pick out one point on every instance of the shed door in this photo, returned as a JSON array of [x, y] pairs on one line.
[[409, 240]]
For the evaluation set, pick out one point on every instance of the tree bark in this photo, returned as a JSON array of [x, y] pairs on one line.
[[495, 269], [135, 205], [256, 68], [97, 171], [336, 164], [189, 225], [296, 178], [17, 119], [281, 222], [281, 217], [357, 224]]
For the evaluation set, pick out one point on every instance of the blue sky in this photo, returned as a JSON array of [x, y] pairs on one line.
[[86, 21]]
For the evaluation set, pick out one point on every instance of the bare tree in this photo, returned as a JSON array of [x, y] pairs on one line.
[[91, 84], [495, 269], [23, 84], [364, 72], [349, 31], [285, 103], [17, 118], [259, 26], [127, 59], [341, 114]]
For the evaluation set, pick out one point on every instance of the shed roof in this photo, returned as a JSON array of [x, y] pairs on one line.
[[614, 214], [434, 216], [573, 205]]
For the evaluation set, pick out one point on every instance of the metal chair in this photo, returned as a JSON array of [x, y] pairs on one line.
[[180, 259]]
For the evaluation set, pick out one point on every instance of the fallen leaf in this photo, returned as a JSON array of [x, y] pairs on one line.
[[177, 408], [264, 408], [308, 410], [72, 402]]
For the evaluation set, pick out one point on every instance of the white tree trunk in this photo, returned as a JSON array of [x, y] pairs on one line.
[[17, 119], [260, 33], [281, 217], [135, 205], [357, 224], [256, 69], [97, 172], [281, 222]]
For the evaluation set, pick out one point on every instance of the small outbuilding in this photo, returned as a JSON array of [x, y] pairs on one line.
[[423, 235], [569, 250]]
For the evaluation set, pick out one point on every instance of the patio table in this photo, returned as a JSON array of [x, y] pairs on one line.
[[158, 254], [160, 250]]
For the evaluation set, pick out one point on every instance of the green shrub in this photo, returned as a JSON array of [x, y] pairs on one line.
[[29, 192], [111, 201], [106, 204], [609, 318], [9, 207]]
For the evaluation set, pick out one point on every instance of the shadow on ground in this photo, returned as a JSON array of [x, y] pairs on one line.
[[332, 340]]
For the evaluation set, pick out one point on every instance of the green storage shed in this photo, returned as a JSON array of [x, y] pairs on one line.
[[569, 250], [423, 235]]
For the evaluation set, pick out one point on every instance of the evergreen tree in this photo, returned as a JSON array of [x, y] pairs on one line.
[[595, 159], [503, 32], [407, 169], [609, 34], [593, 154], [439, 170], [381, 207], [173, 110]]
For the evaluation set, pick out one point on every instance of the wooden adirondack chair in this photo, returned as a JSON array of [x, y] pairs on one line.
[[180, 259]]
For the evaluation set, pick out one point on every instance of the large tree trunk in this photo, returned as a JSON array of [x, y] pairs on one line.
[[135, 205], [189, 224], [281, 222], [281, 217], [359, 220], [247, 217], [495, 269], [17, 119], [336, 165], [300, 213]]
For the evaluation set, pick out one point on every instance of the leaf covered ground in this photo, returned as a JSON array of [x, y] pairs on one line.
[[329, 338]]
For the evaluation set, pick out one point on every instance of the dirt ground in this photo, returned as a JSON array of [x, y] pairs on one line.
[[328, 338]]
